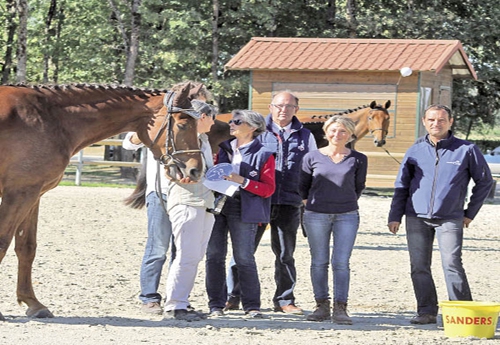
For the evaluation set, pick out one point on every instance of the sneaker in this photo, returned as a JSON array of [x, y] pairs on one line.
[[254, 314], [216, 312], [152, 308], [183, 314], [423, 319]]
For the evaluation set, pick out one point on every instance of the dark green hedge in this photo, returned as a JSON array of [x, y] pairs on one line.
[[485, 145]]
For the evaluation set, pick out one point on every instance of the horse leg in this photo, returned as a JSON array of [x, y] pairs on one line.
[[9, 220], [26, 250], [17, 210], [5, 240]]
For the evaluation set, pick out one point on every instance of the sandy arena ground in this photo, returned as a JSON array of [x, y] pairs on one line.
[[87, 273]]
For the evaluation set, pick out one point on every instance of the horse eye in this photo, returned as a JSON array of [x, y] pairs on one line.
[[370, 118], [181, 126]]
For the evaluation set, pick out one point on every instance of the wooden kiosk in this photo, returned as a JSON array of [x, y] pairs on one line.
[[331, 75]]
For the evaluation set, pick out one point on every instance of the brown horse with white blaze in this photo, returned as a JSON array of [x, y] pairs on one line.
[[42, 127]]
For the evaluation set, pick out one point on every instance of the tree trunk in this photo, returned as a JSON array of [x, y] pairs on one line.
[[469, 129], [215, 45], [49, 33], [121, 26], [132, 48], [11, 30], [133, 51], [351, 18], [22, 58], [331, 13], [57, 50]]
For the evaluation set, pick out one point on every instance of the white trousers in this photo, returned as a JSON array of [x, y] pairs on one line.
[[191, 230]]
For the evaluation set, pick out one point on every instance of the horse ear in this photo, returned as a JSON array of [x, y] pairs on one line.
[[373, 104], [387, 104], [195, 90], [181, 98]]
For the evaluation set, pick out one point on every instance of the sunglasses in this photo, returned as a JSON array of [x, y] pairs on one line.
[[237, 122]]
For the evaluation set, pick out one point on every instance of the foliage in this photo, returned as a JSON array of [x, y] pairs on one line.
[[176, 41]]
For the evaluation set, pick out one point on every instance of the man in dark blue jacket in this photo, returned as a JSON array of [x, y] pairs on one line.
[[430, 191]]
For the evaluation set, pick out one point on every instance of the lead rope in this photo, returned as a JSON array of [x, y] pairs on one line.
[[391, 155]]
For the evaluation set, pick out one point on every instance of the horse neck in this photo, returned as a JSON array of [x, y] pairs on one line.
[[360, 117], [89, 116], [218, 133]]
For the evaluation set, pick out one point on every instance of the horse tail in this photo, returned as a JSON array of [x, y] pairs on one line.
[[137, 199]]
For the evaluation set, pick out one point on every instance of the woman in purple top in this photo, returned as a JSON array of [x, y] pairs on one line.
[[331, 181]]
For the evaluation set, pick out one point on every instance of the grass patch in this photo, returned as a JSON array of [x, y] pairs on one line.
[[384, 192], [99, 176], [97, 184]]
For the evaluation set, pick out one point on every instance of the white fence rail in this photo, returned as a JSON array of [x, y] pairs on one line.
[[81, 160]]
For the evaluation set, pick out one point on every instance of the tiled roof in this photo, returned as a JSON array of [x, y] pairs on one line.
[[298, 54]]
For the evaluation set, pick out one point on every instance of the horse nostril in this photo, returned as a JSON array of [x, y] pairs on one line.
[[195, 174]]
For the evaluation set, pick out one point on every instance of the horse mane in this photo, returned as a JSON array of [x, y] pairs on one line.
[[65, 95], [88, 90], [83, 86], [348, 111]]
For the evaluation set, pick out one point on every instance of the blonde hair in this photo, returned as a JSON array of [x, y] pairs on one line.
[[349, 125]]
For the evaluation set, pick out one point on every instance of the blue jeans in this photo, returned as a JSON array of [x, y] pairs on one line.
[[232, 281], [285, 220], [320, 228], [243, 242], [159, 235], [420, 234]]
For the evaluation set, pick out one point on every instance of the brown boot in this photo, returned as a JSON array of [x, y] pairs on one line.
[[339, 315], [322, 311]]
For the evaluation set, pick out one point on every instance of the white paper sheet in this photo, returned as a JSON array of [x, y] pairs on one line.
[[222, 186]]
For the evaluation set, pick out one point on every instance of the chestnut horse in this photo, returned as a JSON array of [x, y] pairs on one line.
[[373, 118], [218, 133], [42, 127]]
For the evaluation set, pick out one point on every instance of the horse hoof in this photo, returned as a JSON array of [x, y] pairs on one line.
[[41, 314], [1, 317]]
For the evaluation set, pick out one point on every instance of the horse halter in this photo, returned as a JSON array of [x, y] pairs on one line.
[[384, 131], [171, 151]]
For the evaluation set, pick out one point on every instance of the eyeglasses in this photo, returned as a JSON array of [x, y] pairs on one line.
[[285, 106], [237, 122]]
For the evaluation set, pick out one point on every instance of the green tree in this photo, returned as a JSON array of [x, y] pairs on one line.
[[93, 41]]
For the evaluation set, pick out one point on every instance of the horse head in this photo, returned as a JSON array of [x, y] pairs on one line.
[[176, 144], [378, 122]]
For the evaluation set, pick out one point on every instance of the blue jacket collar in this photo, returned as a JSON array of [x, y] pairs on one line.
[[443, 142]]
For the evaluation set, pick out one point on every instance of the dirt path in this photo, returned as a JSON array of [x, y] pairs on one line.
[[87, 266]]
